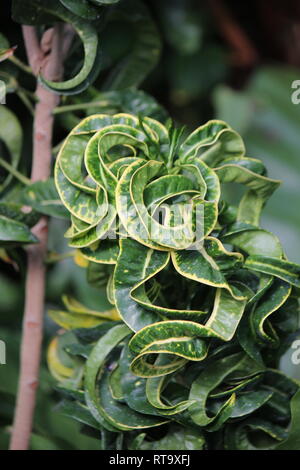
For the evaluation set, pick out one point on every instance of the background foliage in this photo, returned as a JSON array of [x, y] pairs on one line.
[[199, 75]]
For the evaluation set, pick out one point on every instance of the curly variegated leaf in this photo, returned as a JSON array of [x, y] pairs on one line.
[[185, 339], [65, 368], [104, 408], [79, 316], [206, 296], [83, 8], [132, 186], [250, 172], [277, 267], [39, 12], [212, 377]]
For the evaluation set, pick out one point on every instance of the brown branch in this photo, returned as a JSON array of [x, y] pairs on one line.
[[51, 67], [244, 53], [33, 50]]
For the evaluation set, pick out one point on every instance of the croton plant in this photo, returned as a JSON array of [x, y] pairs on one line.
[[202, 301], [202, 298]]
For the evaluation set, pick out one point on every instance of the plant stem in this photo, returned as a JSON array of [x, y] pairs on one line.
[[79, 106], [32, 333], [20, 64], [55, 257], [14, 172]]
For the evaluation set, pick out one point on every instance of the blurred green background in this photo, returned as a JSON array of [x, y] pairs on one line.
[[230, 60]]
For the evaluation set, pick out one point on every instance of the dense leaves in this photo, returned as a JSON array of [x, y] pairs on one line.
[[84, 16], [198, 285], [182, 350]]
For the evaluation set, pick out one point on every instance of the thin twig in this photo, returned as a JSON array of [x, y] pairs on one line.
[[22, 178], [244, 52], [16, 61], [79, 106], [51, 67]]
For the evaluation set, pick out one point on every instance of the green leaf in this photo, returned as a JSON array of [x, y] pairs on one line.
[[31, 12], [82, 8], [183, 339], [97, 274], [69, 321], [90, 335], [274, 298], [253, 240], [165, 187], [65, 368], [138, 102], [79, 316], [226, 314], [154, 388], [91, 65], [200, 266], [119, 414], [177, 439], [77, 411], [94, 363], [82, 205], [105, 409], [208, 380], [178, 338], [129, 100], [140, 223], [201, 331], [237, 436], [134, 388], [145, 50], [4, 43], [292, 442], [76, 307], [221, 140], [43, 197], [16, 212], [285, 270], [103, 252], [13, 232], [11, 135], [39, 12], [248, 171], [205, 175], [135, 265]]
